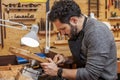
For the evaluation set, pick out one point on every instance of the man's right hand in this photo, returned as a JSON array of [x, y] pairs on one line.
[[59, 58]]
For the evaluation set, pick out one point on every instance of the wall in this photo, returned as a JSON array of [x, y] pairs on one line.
[[13, 36]]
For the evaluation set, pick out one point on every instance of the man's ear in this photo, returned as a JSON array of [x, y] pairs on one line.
[[73, 21]]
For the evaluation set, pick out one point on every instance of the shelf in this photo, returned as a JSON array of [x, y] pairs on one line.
[[21, 8], [114, 18], [28, 25], [30, 19], [44, 32], [117, 39]]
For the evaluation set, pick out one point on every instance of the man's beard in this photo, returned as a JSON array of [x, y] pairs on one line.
[[73, 32]]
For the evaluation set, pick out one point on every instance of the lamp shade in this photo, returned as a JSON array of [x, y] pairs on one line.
[[31, 39]]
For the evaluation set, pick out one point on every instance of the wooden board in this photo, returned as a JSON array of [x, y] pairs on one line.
[[62, 42], [26, 54], [118, 69], [10, 67]]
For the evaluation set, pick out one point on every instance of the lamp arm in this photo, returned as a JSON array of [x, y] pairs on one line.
[[23, 26], [11, 27], [49, 34], [47, 47]]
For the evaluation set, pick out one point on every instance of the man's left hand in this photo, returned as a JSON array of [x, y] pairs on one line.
[[50, 68]]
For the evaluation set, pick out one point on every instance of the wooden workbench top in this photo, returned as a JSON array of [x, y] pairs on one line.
[[12, 72]]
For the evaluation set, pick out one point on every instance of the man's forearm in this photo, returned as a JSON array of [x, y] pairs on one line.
[[69, 74]]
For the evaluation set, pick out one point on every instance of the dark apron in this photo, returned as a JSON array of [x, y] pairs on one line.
[[75, 44]]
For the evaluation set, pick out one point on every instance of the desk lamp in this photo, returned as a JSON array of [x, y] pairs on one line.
[[29, 39]]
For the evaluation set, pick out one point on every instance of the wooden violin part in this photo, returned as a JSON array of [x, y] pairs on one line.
[[26, 54]]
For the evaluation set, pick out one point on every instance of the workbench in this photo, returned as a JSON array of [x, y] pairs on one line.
[[12, 72]]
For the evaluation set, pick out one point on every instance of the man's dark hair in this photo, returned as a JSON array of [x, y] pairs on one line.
[[63, 10]]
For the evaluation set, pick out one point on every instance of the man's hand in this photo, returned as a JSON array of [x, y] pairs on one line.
[[58, 59], [50, 68]]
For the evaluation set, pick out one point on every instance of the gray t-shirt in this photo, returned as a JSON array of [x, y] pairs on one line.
[[96, 56]]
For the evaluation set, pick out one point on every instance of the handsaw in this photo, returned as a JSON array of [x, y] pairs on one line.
[[26, 54]]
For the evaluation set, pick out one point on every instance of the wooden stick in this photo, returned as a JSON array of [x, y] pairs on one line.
[[61, 42], [106, 4], [5, 68], [4, 26], [1, 28], [26, 54]]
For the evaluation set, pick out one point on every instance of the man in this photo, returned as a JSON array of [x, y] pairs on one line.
[[90, 41]]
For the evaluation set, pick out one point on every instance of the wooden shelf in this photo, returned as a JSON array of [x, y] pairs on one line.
[[14, 19], [21, 8], [117, 39], [114, 18], [44, 32]]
